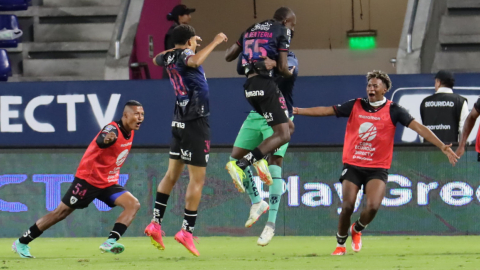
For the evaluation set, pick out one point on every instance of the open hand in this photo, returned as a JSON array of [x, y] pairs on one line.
[[452, 157]]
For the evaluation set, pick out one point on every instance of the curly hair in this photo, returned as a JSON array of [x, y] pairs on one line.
[[378, 74]]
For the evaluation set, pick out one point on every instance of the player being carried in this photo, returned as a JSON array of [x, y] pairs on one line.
[[270, 39], [97, 178], [253, 131], [190, 131], [368, 150]]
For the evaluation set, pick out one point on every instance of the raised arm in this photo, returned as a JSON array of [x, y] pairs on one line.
[[233, 52], [428, 135], [314, 111], [467, 128], [196, 60]]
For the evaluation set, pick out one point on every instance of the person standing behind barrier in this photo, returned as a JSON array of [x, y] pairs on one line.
[[444, 112], [179, 15]]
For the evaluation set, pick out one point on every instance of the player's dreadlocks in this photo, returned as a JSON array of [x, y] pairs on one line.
[[282, 13], [378, 74]]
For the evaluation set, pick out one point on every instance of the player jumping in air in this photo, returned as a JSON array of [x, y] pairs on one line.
[[270, 39], [97, 178], [253, 131], [368, 150], [190, 131]]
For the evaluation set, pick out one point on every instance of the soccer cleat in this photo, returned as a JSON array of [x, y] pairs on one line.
[[237, 175], [356, 239], [154, 230], [266, 236], [112, 246], [186, 239], [21, 249], [340, 251], [262, 170], [256, 211]]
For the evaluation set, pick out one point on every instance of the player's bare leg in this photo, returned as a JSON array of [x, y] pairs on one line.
[[349, 194], [154, 229], [130, 207], [192, 200], [375, 191], [20, 246]]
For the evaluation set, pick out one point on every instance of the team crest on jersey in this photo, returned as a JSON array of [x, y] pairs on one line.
[[261, 27], [188, 52], [108, 128], [73, 200], [121, 158]]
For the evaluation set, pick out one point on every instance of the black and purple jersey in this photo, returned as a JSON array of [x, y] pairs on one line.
[[190, 85], [267, 38]]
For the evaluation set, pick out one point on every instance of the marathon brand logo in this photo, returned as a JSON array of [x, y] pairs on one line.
[[439, 127], [186, 155], [369, 117], [268, 117], [261, 27], [178, 124], [183, 103], [73, 200], [255, 93], [170, 59], [439, 104]]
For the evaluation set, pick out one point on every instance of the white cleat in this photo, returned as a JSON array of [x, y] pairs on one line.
[[256, 211], [266, 236]]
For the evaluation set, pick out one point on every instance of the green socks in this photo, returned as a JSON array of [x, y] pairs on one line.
[[250, 187], [276, 191]]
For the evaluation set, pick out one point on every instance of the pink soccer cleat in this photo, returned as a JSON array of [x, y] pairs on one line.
[[154, 230], [186, 239]]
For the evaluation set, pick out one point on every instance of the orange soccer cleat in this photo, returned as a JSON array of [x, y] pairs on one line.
[[340, 251], [356, 239], [154, 230], [186, 239]]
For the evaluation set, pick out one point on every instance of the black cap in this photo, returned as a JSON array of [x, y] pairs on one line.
[[444, 75], [180, 10], [446, 78]]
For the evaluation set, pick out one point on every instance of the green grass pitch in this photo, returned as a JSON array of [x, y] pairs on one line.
[[379, 252]]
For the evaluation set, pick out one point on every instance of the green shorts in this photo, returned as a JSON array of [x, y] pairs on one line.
[[254, 131]]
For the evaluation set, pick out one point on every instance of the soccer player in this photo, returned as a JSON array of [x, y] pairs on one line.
[[253, 131], [467, 128], [190, 131], [270, 39], [97, 178], [368, 150]]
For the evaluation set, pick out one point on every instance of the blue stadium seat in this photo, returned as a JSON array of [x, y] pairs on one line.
[[9, 32], [5, 68], [11, 5]]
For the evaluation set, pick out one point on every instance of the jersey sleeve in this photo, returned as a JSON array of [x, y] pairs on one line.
[[101, 137], [284, 37], [400, 115], [185, 55], [345, 109], [477, 105], [159, 60]]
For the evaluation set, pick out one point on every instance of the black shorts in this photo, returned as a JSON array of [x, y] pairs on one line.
[[191, 141], [267, 100], [361, 175], [80, 194]]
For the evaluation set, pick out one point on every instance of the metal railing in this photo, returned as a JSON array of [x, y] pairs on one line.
[[410, 27], [124, 14]]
